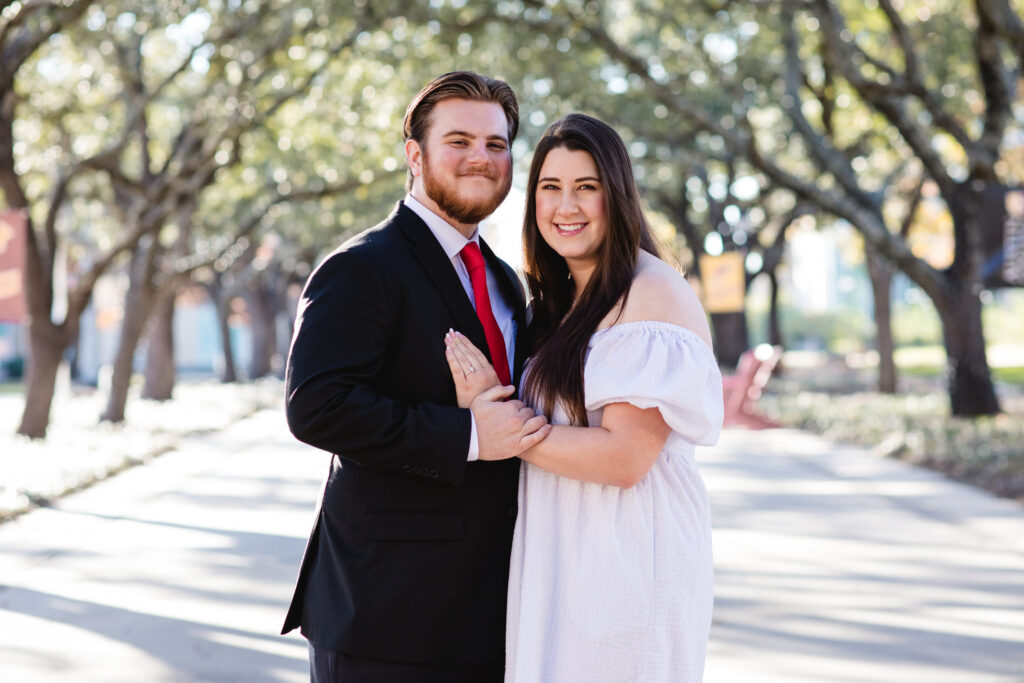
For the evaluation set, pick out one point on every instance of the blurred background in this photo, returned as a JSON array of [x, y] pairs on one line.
[[843, 180]]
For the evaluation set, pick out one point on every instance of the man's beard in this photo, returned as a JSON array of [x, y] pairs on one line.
[[462, 210]]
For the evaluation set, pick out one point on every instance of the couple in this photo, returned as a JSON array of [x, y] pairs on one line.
[[578, 505]]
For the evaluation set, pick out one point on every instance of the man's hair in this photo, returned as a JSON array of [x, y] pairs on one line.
[[462, 85]]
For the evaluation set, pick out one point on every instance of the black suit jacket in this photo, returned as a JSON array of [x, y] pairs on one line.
[[408, 559]]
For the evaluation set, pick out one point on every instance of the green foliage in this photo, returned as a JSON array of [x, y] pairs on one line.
[[726, 61], [1003, 318], [986, 451], [916, 324], [1010, 375]]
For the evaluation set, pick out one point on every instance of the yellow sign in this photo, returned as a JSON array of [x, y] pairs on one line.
[[723, 282]]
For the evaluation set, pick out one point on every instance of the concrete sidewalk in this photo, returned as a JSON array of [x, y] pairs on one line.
[[178, 570], [832, 566]]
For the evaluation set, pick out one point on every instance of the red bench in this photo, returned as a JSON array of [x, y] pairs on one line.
[[742, 389]]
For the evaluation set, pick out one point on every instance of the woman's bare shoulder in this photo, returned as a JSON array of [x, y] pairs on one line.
[[659, 292]]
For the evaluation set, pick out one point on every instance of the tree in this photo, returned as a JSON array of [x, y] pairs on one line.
[[848, 119], [155, 102], [280, 55], [24, 30]]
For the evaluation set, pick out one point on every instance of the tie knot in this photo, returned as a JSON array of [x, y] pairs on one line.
[[472, 257]]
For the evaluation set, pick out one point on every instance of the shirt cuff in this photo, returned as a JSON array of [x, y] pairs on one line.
[[474, 445]]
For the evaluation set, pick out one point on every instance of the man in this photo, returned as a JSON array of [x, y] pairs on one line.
[[404, 575]]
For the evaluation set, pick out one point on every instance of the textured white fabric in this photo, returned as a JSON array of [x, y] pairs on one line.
[[611, 584]]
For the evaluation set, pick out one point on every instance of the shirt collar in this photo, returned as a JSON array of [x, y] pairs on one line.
[[450, 239]]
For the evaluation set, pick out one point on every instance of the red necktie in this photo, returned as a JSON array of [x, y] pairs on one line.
[[474, 261]]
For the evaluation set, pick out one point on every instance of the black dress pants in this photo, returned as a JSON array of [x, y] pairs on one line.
[[330, 666]]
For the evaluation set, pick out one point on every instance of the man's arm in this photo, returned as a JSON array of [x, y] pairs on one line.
[[337, 353]]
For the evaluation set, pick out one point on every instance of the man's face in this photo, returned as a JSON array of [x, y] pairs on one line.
[[464, 167]]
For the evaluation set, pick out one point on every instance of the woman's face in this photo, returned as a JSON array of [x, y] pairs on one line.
[[570, 208]]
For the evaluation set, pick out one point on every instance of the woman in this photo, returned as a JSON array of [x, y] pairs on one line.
[[611, 576]]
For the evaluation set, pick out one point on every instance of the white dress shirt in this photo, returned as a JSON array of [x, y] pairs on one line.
[[452, 241]]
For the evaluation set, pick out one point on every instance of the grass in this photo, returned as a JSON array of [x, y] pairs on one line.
[[1008, 375], [929, 362], [987, 451], [1011, 375]]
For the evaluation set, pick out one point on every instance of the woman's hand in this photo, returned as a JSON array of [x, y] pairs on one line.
[[472, 372]]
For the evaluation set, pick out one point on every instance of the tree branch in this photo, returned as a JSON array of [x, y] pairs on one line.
[[915, 201], [1006, 21], [829, 158], [890, 105], [846, 56], [188, 265], [16, 48], [910, 62], [995, 81]]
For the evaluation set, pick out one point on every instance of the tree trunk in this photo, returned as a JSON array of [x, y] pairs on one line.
[[774, 324], [262, 312], [160, 372], [230, 373], [971, 391], [137, 309], [880, 274], [730, 332], [47, 343]]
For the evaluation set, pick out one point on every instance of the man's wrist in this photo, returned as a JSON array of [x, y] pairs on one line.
[[474, 443]]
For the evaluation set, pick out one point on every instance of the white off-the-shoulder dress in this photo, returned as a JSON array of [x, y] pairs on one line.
[[610, 584]]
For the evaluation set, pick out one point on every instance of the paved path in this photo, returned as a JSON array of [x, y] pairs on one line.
[[179, 570], [836, 566], [832, 567]]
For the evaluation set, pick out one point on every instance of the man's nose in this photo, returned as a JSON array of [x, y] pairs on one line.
[[478, 152]]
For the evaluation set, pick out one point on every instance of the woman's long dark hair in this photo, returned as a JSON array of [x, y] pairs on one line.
[[560, 330]]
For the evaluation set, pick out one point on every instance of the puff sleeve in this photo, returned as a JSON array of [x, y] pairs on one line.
[[657, 364]]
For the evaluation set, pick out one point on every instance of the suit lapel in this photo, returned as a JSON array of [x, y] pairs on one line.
[[441, 273]]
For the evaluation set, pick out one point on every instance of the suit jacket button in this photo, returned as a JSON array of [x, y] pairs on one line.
[[406, 468], [433, 474], [512, 511]]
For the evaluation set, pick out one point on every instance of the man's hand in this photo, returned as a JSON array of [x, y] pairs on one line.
[[505, 428]]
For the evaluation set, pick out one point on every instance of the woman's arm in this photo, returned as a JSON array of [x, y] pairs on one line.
[[619, 453]]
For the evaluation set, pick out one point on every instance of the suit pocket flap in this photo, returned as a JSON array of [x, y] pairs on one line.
[[414, 525]]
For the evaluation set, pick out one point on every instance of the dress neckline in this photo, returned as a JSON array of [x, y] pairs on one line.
[[653, 325]]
